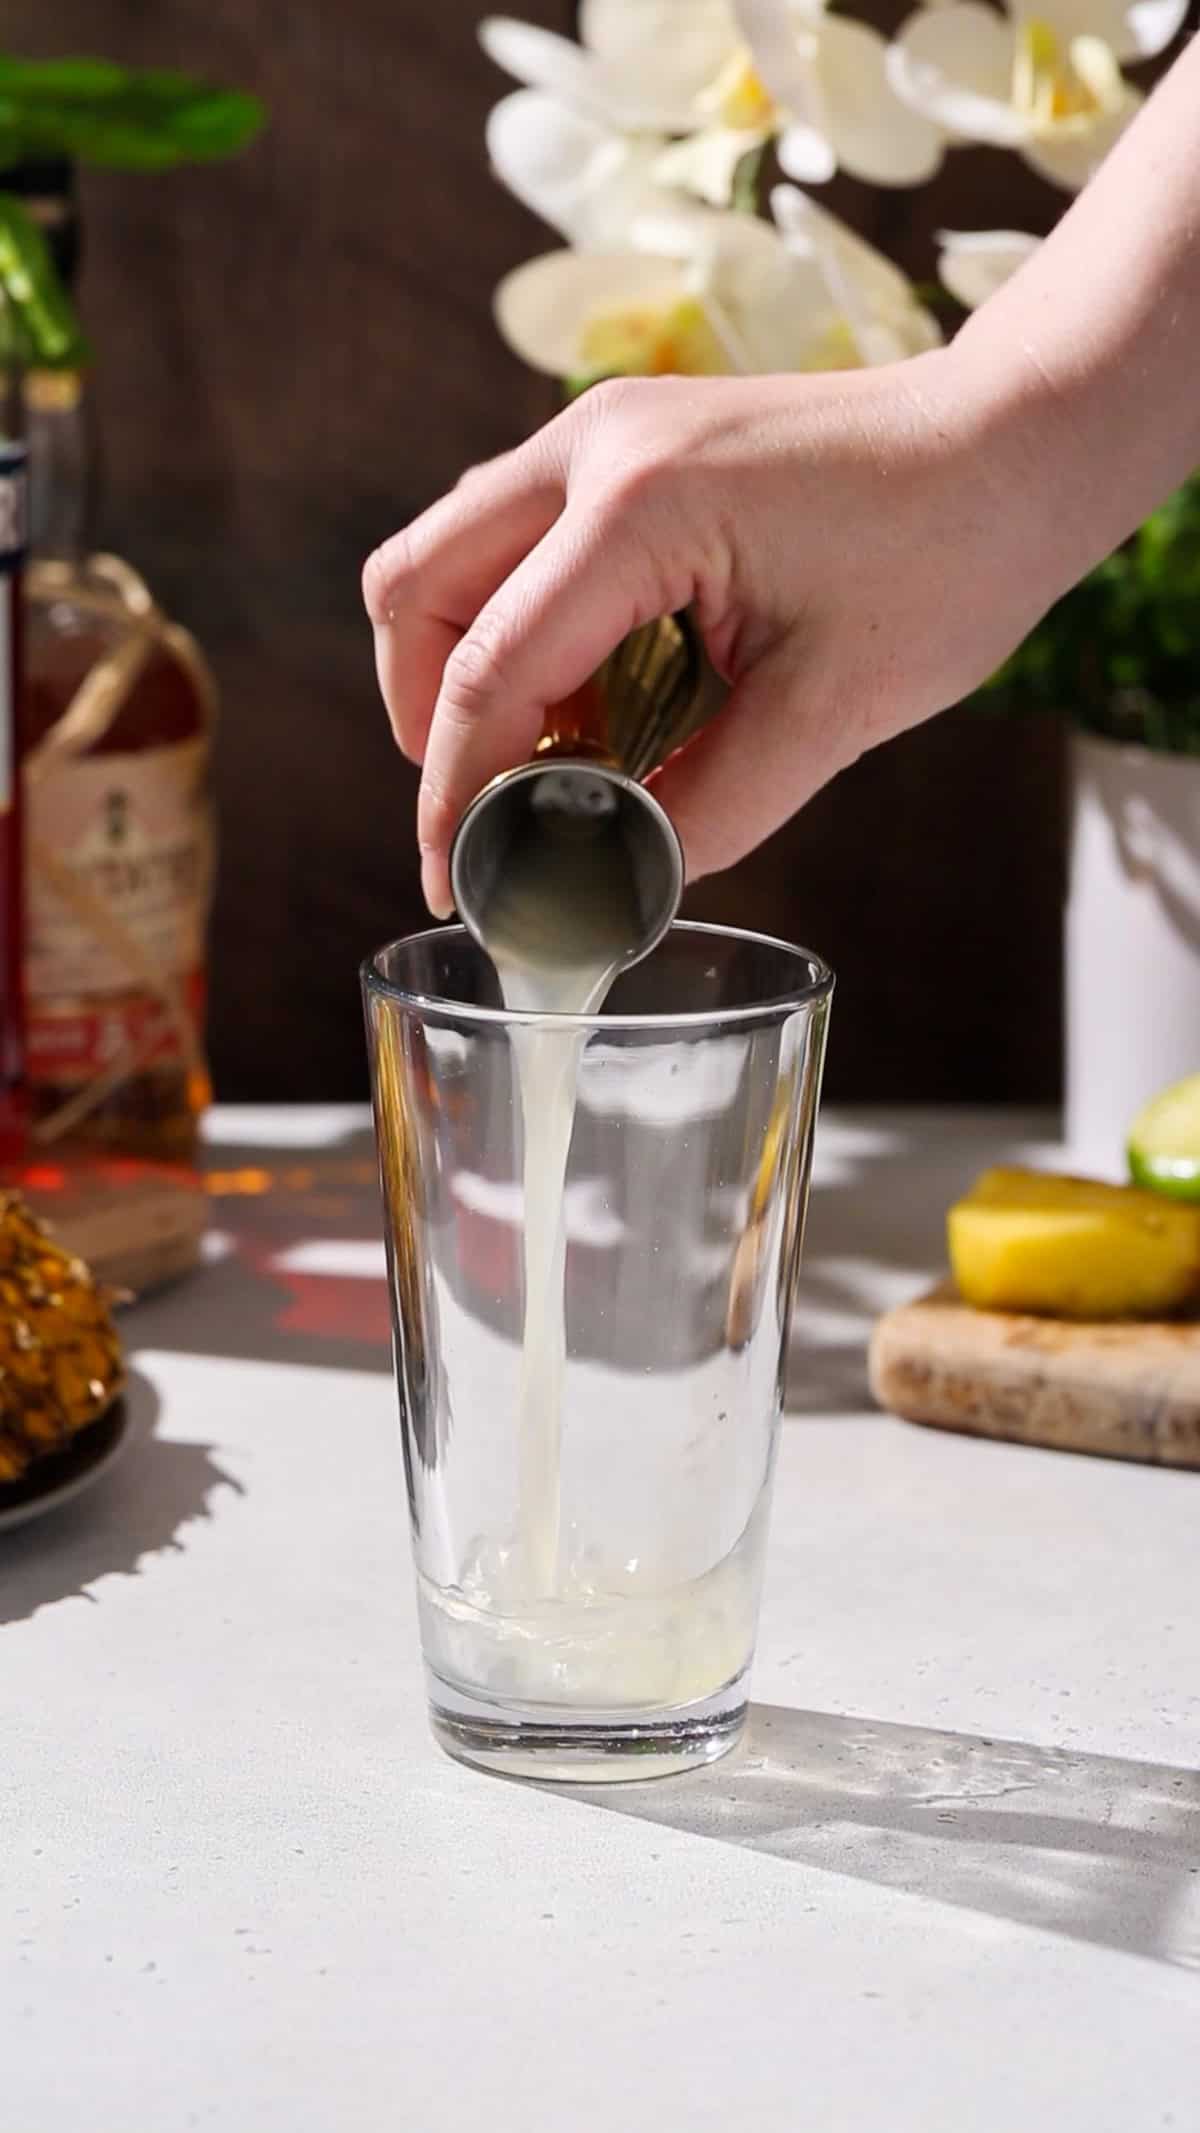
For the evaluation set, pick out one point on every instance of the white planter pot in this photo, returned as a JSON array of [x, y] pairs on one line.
[[1132, 941]]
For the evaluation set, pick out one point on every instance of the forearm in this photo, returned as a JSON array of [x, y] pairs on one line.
[[862, 549], [1090, 357]]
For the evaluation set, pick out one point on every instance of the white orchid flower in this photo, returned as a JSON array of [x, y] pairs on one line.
[[828, 77], [973, 264], [724, 77], [661, 68], [702, 292], [588, 181], [879, 318], [1048, 84]]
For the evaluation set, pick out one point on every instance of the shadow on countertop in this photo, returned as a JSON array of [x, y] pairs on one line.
[[137, 1509], [294, 1267], [1087, 1846], [876, 1232], [295, 1272]]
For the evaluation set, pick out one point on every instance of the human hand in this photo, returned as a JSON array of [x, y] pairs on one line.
[[859, 549]]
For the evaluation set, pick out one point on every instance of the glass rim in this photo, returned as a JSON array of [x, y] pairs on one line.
[[818, 987]]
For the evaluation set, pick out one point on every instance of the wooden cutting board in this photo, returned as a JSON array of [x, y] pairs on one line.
[[1127, 1391], [137, 1224]]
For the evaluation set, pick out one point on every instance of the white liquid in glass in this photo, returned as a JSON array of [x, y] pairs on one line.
[[558, 931]]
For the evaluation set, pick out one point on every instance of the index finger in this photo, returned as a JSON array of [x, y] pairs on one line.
[[424, 587], [589, 581]]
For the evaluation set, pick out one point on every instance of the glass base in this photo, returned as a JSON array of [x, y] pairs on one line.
[[591, 1749]]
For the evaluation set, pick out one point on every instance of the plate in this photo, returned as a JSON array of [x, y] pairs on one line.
[[54, 1481]]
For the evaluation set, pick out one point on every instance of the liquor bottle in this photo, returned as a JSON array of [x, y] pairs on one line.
[[117, 717], [117, 713], [13, 514]]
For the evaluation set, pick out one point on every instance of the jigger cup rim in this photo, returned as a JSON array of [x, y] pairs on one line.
[[594, 766]]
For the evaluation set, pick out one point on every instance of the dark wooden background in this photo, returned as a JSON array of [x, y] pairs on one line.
[[295, 354]]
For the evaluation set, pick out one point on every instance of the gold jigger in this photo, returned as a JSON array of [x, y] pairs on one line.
[[649, 697]]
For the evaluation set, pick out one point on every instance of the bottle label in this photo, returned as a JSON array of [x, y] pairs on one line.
[[119, 870], [14, 504], [8, 722]]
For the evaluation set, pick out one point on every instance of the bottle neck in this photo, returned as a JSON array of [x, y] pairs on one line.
[[58, 434], [47, 187]]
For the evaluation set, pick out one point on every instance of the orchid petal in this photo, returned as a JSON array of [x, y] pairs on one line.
[[1070, 159], [875, 136], [540, 58], [806, 154], [1152, 25], [783, 41], [781, 60], [685, 43], [544, 307], [973, 264], [628, 99], [766, 307], [706, 163], [874, 297], [1132, 31], [675, 229], [954, 65], [808, 235], [583, 179], [779, 302], [809, 229]]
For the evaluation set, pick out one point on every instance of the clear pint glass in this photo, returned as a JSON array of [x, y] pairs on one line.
[[589, 1417]]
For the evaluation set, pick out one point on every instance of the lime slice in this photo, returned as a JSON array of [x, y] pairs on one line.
[[1164, 1142]]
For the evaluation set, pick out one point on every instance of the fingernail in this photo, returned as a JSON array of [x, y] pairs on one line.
[[433, 888]]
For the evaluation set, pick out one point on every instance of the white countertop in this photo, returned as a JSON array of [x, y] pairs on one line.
[[953, 1881]]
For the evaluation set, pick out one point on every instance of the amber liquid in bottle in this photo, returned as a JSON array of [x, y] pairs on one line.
[[12, 1031], [154, 1110]]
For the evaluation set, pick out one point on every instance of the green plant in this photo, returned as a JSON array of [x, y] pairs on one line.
[[117, 118], [120, 118], [38, 324], [1118, 653]]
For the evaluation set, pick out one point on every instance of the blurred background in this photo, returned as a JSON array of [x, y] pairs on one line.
[[294, 353]]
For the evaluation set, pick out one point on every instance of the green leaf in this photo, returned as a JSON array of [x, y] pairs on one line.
[[62, 80], [124, 119], [34, 295], [744, 197]]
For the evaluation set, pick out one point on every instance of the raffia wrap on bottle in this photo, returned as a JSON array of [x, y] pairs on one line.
[[120, 850]]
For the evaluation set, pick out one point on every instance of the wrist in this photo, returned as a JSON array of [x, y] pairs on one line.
[[1026, 441]]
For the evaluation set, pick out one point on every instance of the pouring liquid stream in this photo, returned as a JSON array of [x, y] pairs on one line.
[[560, 925]]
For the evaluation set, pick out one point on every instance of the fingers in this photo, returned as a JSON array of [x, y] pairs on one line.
[[769, 749], [425, 586], [590, 579]]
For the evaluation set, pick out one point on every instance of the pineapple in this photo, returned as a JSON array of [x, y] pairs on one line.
[[1022, 1240], [60, 1359]]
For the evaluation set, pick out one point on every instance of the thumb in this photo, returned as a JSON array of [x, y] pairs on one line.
[[541, 636]]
